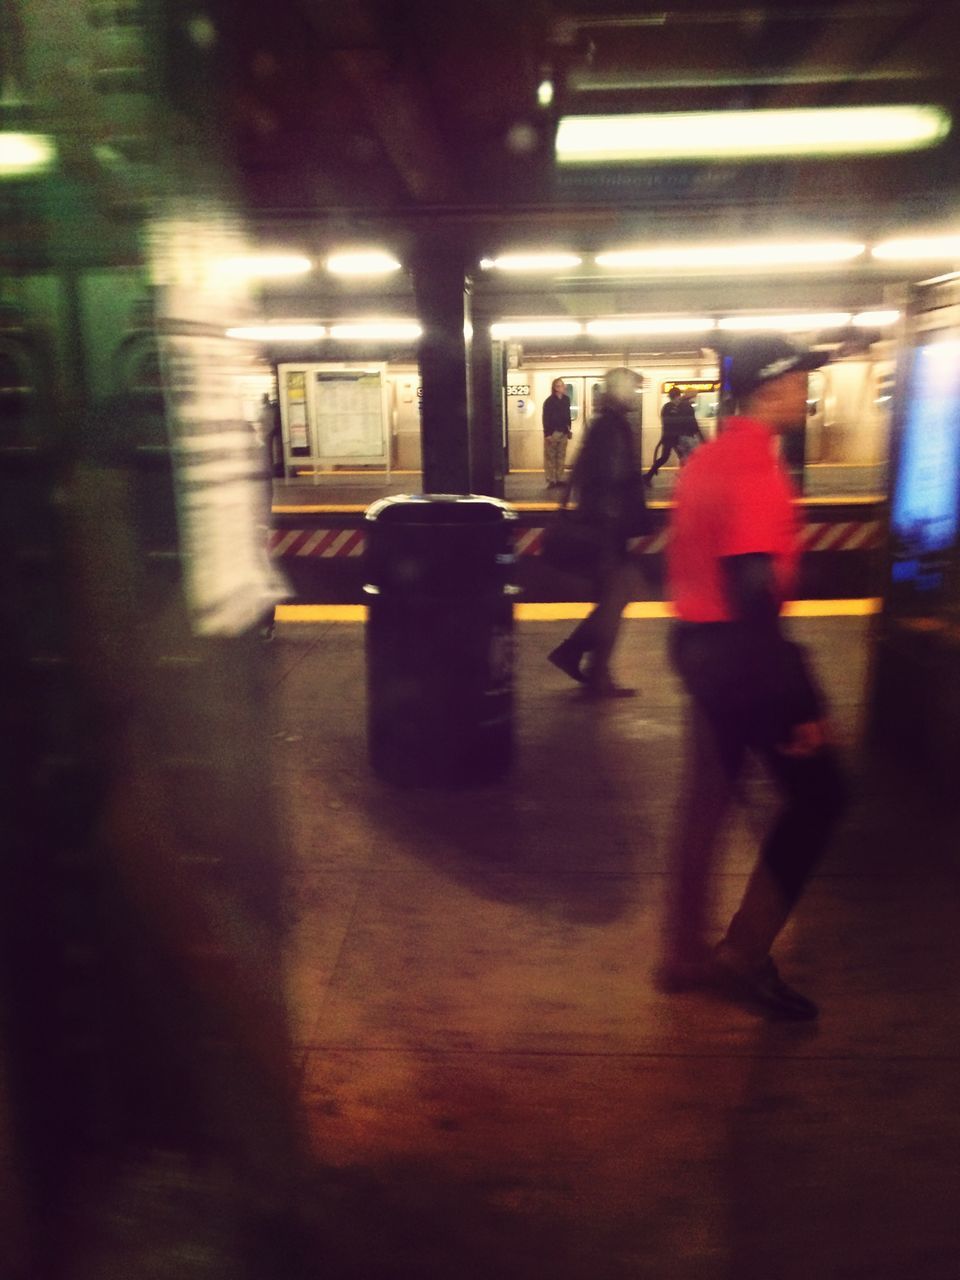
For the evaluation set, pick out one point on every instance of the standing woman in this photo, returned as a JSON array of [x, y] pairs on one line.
[[556, 432]]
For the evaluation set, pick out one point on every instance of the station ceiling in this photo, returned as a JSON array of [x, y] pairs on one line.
[[367, 113]]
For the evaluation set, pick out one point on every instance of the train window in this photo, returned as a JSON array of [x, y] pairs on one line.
[[573, 391]]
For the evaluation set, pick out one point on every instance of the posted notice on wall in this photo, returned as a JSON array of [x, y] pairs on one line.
[[349, 407]]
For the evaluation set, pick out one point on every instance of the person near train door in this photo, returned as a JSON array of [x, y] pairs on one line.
[[679, 431], [689, 434], [556, 432], [731, 562], [606, 485]]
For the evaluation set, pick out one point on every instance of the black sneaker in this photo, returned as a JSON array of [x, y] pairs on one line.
[[568, 659], [764, 988]]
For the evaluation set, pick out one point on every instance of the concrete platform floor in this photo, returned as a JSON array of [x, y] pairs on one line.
[[491, 1082]]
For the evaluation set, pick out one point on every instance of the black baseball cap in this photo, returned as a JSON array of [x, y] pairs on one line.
[[752, 361]]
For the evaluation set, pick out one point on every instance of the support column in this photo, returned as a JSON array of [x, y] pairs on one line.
[[443, 308], [487, 452]]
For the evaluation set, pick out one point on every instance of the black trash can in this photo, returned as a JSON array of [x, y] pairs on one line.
[[439, 588]]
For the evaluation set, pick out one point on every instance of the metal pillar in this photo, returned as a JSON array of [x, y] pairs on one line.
[[443, 307], [487, 438]]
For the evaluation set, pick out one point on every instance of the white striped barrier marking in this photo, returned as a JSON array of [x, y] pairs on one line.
[[850, 535]]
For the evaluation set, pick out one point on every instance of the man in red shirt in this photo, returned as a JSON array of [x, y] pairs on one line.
[[731, 563]]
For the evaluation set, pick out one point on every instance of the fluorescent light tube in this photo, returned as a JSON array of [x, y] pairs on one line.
[[531, 262], [377, 330], [278, 332], [700, 256], [536, 329], [918, 249], [26, 153], [673, 137], [796, 323], [649, 324], [367, 263]]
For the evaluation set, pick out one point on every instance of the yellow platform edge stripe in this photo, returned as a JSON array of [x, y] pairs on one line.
[[655, 504], [569, 611]]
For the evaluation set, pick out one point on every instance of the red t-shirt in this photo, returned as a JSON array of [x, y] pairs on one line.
[[733, 497]]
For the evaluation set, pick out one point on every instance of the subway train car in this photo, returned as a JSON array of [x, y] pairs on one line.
[[847, 422]]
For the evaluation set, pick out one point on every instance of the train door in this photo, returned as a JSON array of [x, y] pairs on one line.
[[585, 392]]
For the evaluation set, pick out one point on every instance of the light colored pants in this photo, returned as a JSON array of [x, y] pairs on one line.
[[554, 452]]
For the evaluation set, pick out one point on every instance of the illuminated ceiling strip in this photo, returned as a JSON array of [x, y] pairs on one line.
[[374, 331], [254, 266], [797, 323], [875, 319], [743, 135], [278, 332], [918, 249], [26, 153], [531, 262], [816, 252], [650, 325], [536, 329], [367, 263]]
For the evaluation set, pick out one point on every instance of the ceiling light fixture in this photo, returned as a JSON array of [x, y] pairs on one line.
[[531, 262], [377, 331], [674, 137], [22, 154], [650, 324], [367, 263], [875, 319], [278, 332], [918, 249], [536, 329], [721, 256], [803, 323], [254, 266]]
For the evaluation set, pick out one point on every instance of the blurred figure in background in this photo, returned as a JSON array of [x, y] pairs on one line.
[[732, 559], [679, 431], [556, 432], [607, 487]]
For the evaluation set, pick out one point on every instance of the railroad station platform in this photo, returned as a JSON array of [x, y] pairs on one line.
[[361, 487], [492, 1086]]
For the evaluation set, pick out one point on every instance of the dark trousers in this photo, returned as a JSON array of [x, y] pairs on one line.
[[813, 792], [666, 445], [616, 582]]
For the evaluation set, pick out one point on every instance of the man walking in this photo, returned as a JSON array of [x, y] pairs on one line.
[[607, 488], [731, 563], [679, 431]]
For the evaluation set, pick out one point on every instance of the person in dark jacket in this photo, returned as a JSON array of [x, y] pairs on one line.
[[607, 487], [679, 431], [732, 557], [556, 432]]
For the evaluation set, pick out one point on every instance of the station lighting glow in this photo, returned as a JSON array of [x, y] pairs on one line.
[[278, 332], [531, 262], [918, 249], [372, 262], [262, 266], [536, 329], [26, 153], [709, 256], [795, 323], [545, 93], [650, 324], [875, 319], [377, 330], [749, 135]]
